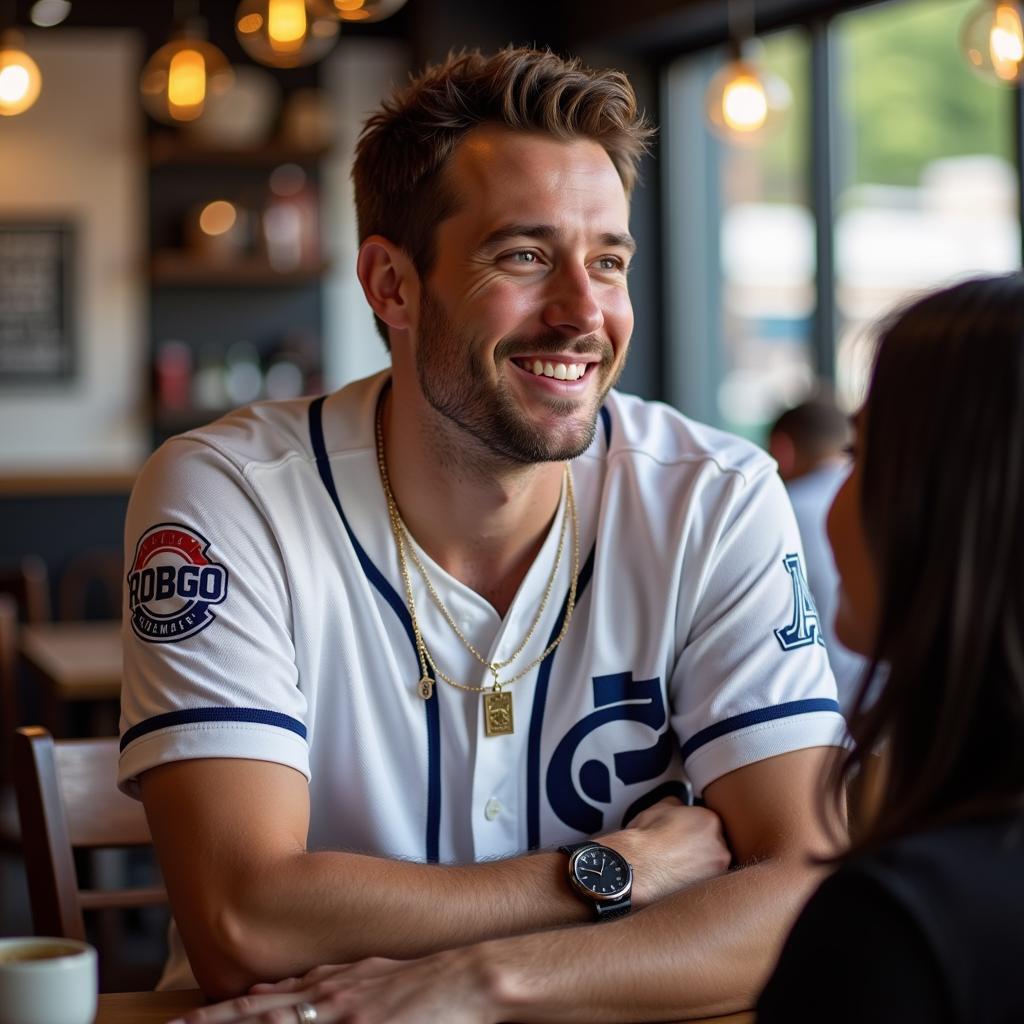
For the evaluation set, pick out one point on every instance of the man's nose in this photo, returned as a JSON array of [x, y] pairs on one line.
[[571, 304]]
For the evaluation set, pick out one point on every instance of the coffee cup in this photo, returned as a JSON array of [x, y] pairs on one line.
[[47, 981]]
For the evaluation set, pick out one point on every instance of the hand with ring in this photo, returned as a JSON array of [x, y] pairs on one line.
[[450, 987]]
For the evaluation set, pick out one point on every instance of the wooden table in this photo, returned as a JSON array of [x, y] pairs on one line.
[[160, 1007], [75, 661]]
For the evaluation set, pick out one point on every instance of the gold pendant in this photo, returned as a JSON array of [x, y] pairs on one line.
[[498, 713], [425, 688]]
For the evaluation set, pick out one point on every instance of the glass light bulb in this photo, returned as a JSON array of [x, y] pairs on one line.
[[181, 76], [366, 10], [992, 40], [744, 103], [20, 80], [286, 24], [286, 33], [186, 84]]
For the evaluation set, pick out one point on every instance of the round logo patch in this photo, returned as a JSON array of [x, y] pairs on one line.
[[173, 583]]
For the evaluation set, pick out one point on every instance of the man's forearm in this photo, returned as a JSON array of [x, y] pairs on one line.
[[705, 951], [326, 907]]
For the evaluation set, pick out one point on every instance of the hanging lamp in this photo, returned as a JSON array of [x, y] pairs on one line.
[[992, 41], [286, 33], [178, 78], [745, 102]]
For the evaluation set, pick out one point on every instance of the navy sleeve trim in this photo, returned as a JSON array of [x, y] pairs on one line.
[[192, 716], [737, 722]]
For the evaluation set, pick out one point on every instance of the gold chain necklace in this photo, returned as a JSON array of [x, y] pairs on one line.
[[498, 719]]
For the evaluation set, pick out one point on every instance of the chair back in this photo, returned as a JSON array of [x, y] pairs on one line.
[[28, 583], [68, 799]]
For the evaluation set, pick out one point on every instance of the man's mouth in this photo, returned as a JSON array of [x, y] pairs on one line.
[[556, 368]]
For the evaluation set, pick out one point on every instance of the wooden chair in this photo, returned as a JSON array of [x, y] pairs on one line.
[[10, 831], [67, 800], [91, 585], [29, 584]]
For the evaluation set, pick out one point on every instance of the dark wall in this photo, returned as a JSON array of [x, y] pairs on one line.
[[61, 529]]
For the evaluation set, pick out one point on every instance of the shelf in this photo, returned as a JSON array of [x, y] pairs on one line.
[[184, 269], [174, 151]]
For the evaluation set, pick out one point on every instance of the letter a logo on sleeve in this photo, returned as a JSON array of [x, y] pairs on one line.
[[173, 583]]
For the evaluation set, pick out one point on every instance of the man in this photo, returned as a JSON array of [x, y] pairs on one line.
[[810, 442], [390, 653]]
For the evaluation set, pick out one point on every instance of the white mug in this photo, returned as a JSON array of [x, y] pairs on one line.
[[47, 981]]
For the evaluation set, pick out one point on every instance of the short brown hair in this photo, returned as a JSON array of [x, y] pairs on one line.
[[405, 145]]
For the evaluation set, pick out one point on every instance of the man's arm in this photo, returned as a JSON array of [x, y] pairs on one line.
[[253, 904], [706, 950]]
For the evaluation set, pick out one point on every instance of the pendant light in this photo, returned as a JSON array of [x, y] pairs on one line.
[[20, 80], [992, 40], [366, 10], [286, 33], [178, 78], [744, 101]]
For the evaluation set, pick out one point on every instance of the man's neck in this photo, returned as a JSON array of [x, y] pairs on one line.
[[479, 517]]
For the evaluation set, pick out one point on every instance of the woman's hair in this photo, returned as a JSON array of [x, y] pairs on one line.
[[399, 190], [942, 503]]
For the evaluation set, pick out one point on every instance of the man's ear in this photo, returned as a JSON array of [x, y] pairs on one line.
[[390, 281]]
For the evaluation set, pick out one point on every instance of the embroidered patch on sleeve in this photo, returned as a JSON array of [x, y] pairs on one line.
[[804, 627], [173, 584]]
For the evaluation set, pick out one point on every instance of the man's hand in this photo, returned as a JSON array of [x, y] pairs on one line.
[[448, 988], [671, 846]]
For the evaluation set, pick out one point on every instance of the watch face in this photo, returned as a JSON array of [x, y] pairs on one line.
[[601, 873]]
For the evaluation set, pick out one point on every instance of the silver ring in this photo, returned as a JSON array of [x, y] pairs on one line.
[[306, 1013]]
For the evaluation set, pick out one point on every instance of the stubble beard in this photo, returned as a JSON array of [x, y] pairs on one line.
[[490, 414]]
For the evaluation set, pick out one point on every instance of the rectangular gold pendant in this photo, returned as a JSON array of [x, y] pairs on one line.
[[498, 713]]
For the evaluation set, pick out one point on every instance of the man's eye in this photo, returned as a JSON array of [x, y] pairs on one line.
[[610, 263], [523, 256]]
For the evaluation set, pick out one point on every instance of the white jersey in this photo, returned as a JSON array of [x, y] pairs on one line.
[[266, 618]]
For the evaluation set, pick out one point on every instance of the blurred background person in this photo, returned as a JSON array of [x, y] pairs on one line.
[[924, 920], [810, 442]]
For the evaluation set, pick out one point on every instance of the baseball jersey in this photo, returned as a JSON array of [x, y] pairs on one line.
[[266, 618]]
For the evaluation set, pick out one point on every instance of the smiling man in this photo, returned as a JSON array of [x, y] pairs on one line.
[[472, 613]]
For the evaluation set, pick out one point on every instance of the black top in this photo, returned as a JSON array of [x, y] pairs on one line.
[[928, 930]]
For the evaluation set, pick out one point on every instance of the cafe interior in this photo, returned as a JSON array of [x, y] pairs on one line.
[[177, 239]]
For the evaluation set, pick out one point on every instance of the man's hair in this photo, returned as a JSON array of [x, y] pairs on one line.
[[404, 146], [818, 428]]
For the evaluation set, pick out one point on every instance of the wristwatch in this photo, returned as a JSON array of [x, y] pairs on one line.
[[602, 877]]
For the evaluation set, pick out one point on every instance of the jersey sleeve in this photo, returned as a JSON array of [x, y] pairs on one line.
[[209, 663], [752, 679]]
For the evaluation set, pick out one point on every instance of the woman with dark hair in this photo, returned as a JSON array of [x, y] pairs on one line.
[[924, 920]]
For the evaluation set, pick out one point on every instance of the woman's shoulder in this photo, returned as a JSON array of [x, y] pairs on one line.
[[959, 886], [954, 864]]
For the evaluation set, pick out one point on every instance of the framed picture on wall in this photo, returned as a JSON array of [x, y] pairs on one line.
[[37, 341]]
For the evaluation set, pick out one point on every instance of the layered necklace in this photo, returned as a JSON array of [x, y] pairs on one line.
[[498, 720]]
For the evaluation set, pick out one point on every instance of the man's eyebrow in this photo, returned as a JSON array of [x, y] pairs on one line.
[[546, 232]]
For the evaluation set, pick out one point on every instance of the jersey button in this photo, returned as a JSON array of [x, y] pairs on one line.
[[492, 809]]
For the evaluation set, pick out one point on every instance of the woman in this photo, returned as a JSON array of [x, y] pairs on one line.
[[924, 920]]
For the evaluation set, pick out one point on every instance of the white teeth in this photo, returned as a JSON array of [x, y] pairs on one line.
[[559, 371]]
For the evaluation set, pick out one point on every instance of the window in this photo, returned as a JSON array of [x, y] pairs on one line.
[[924, 185]]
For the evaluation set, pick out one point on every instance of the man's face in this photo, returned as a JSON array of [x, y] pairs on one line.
[[525, 318]]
